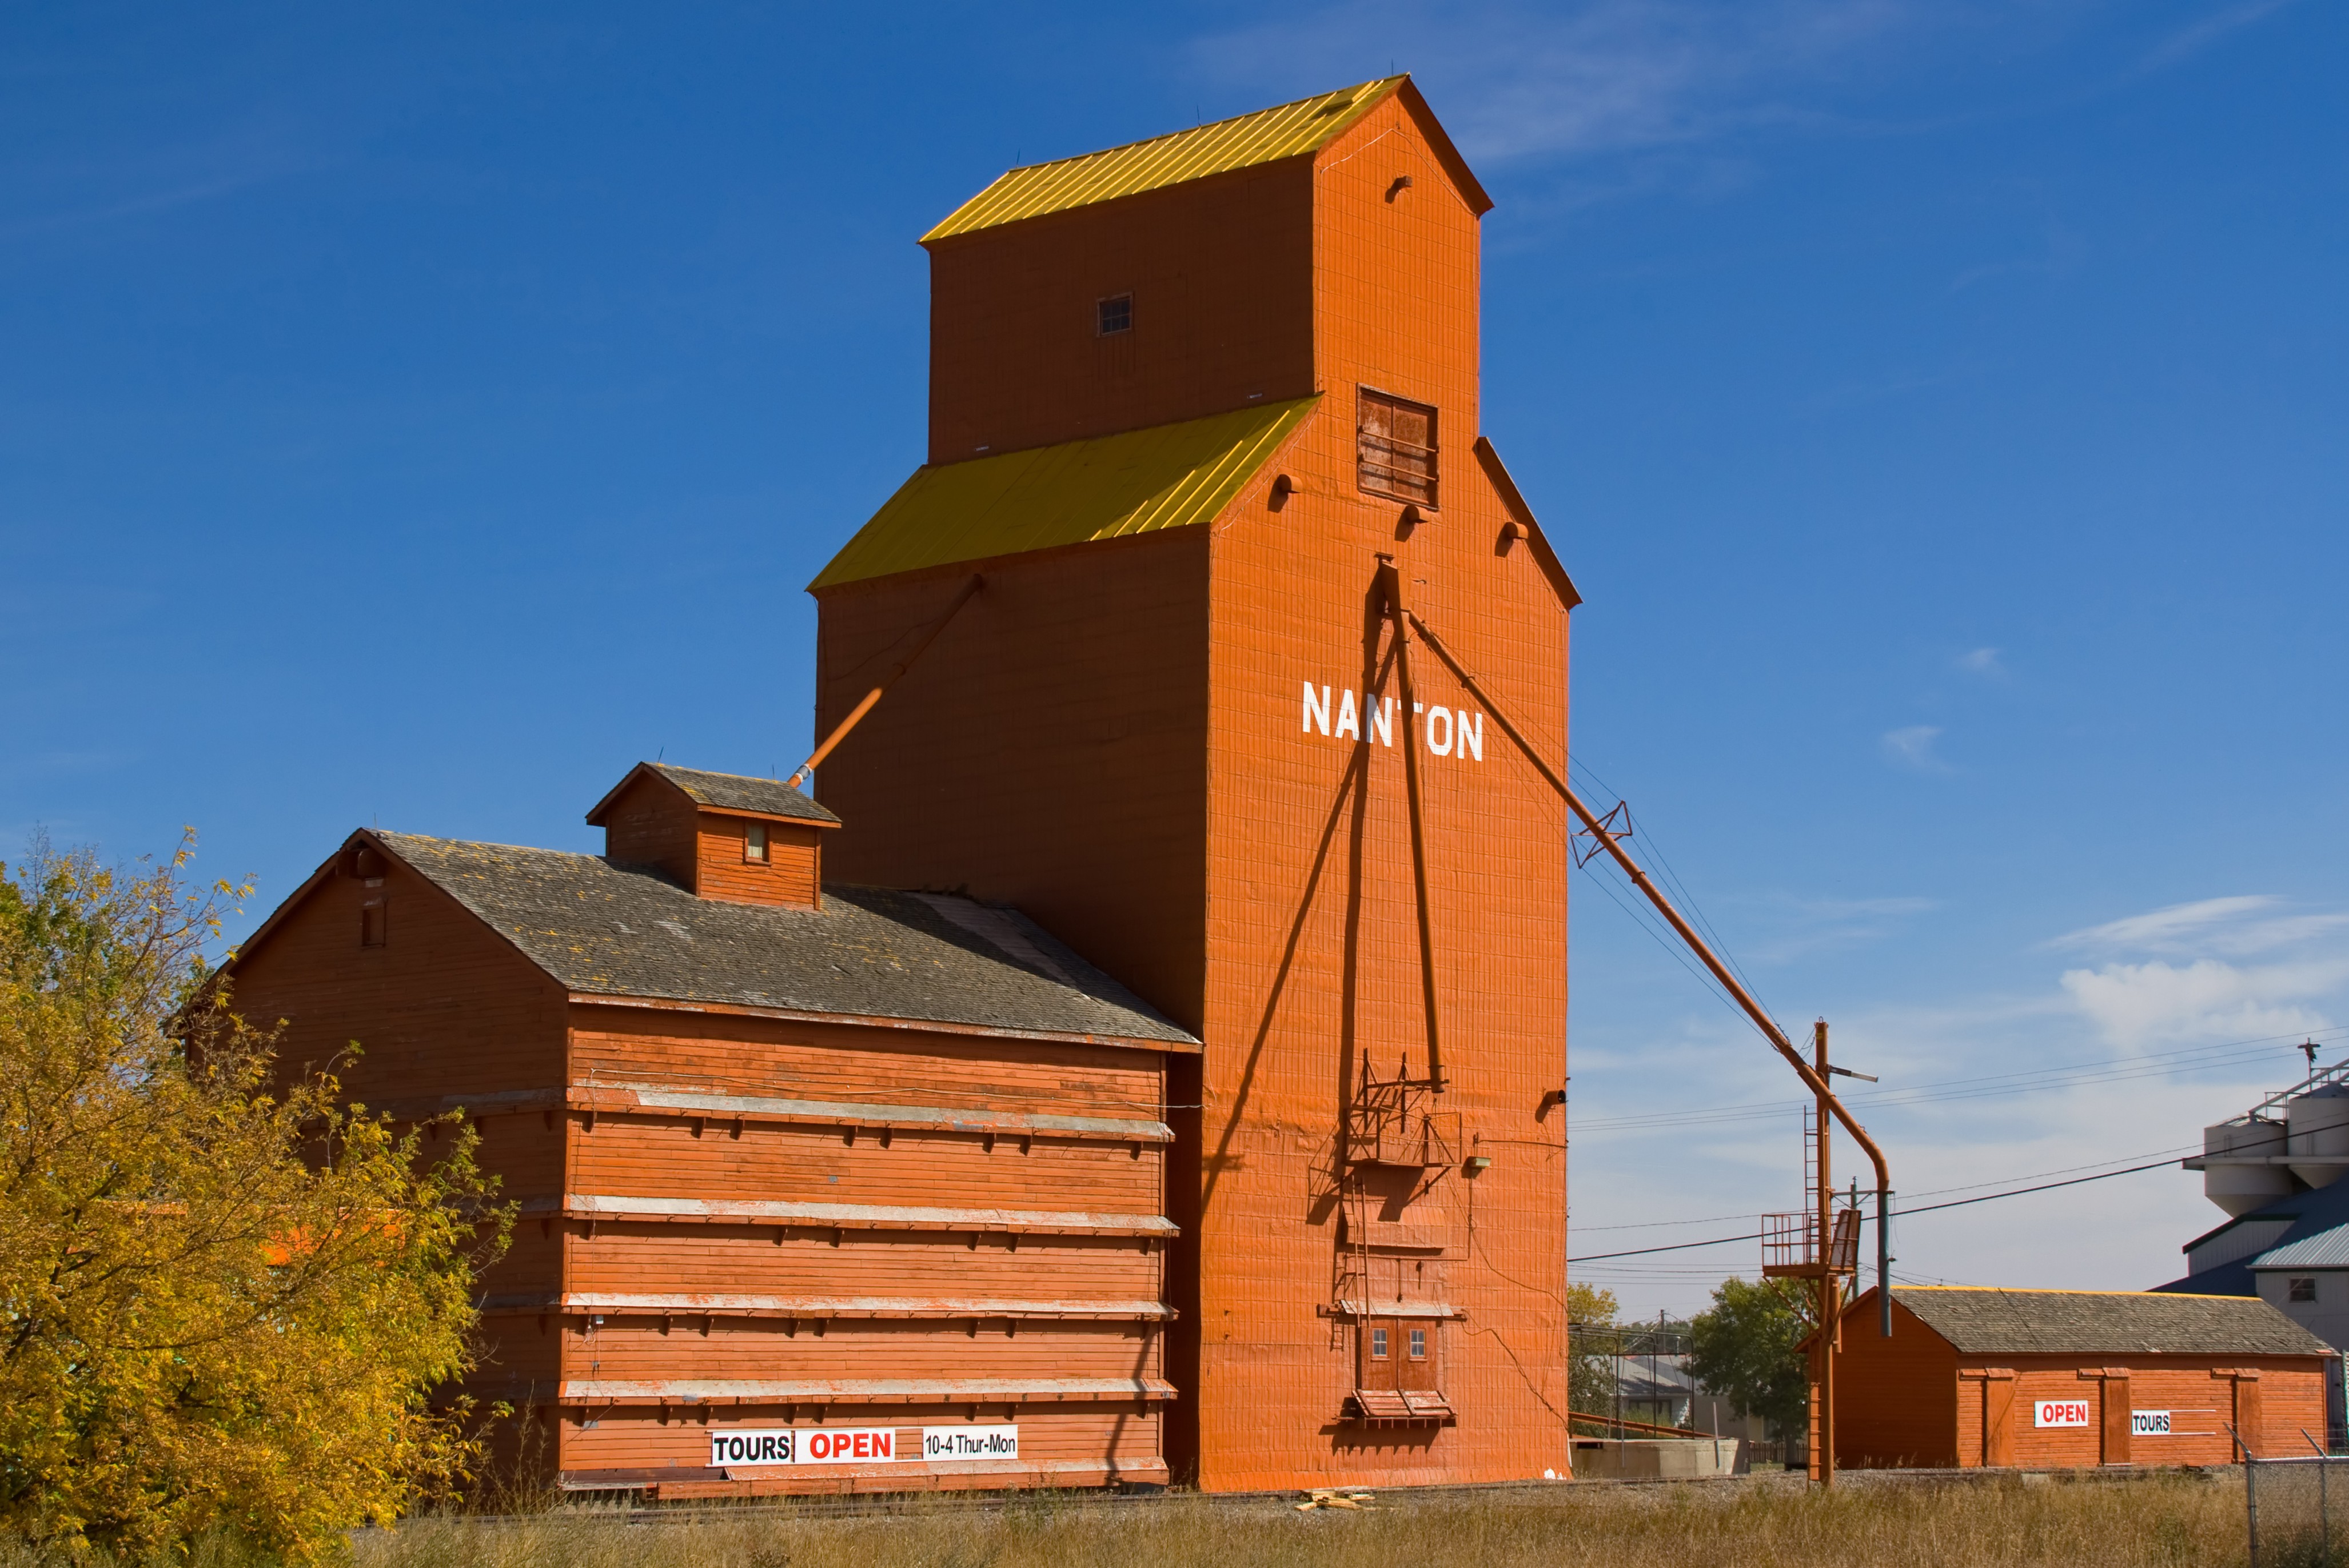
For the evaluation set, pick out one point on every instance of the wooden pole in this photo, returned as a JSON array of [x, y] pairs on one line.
[[1822, 1342]]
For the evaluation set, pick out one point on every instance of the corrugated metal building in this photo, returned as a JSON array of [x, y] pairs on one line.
[[1059, 1102]]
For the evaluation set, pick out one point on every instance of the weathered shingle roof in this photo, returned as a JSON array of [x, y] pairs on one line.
[[1990, 1322], [725, 792], [868, 953], [735, 792]]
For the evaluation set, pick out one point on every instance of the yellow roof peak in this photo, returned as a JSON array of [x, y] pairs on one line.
[[1242, 141]]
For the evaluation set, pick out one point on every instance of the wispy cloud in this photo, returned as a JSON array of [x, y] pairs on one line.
[[1912, 746], [74, 194], [1603, 75], [1803, 927], [2135, 1005], [2236, 926], [2191, 40], [2184, 984], [1982, 662]]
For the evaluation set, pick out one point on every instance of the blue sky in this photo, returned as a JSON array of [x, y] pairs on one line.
[[415, 414]]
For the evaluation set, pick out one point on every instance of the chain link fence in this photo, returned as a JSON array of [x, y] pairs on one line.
[[2296, 1510]]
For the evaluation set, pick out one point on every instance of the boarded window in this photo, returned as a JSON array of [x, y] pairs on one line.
[[1395, 443], [755, 843], [2303, 1289], [374, 923], [1116, 314]]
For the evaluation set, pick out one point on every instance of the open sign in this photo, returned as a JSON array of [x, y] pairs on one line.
[[2064, 1413], [739, 1447]]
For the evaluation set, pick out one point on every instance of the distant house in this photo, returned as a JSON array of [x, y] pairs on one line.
[[1663, 1390]]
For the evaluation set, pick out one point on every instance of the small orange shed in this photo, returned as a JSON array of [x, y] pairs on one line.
[[2052, 1379]]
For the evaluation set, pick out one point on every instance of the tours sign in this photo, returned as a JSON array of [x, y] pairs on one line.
[[740, 1447]]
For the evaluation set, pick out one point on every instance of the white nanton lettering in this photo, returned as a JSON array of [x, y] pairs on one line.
[[1452, 732], [1317, 709]]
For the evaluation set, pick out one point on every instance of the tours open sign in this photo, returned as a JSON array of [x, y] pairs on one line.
[[741, 1448]]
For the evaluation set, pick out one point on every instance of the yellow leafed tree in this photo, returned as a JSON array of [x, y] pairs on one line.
[[223, 1298]]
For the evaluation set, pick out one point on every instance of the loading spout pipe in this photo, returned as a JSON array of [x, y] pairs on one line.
[[840, 731], [1720, 972]]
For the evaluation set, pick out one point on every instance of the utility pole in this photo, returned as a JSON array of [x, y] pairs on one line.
[[1829, 1287]]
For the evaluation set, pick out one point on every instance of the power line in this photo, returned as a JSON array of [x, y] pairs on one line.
[[1988, 1086], [1929, 1193], [1896, 1213]]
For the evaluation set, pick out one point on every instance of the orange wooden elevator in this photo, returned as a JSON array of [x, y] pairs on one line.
[[1187, 397], [1147, 1061]]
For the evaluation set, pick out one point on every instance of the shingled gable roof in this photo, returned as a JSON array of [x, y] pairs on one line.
[[599, 929], [724, 792], [1990, 1322], [1243, 141]]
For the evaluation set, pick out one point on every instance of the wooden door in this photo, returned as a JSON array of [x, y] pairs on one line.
[[2250, 1413], [1416, 1364], [2115, 1421], [1998, 1421], [1380, 1353]]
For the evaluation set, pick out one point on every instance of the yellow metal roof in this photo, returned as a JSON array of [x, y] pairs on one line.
[[1169, 476], [1305, 126]]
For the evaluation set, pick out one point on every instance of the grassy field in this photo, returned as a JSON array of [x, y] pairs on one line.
[[1760, 1523], [2153, 1521]]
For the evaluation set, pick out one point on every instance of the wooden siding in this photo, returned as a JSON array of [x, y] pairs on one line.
[[688, 1050], [1046, 753], [445, 1011], [1103, 1439], [1313, 964], [1108, 737], [1220, 273], [1022, 1182], [1897, 1399], [652, 823], [790, 875], [1914, 1401]]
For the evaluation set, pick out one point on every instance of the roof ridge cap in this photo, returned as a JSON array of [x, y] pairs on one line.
[[1388, 83]]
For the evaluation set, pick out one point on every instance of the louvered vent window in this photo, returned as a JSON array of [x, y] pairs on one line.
[[1396, 447]]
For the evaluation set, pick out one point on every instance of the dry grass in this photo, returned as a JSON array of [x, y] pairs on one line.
[[2163, 1520]]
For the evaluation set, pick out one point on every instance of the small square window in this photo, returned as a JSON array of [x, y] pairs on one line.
[[1378, 1344], [1419, 1345], [755, 843], [1116, 314], [2301, 1289], [373, 922]]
